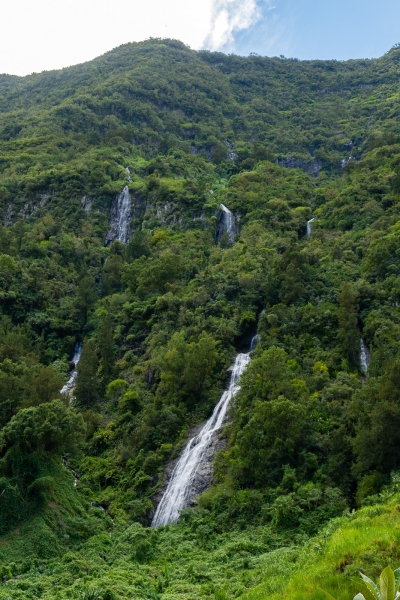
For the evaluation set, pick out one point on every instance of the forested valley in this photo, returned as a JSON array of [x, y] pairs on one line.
[[161, 209]]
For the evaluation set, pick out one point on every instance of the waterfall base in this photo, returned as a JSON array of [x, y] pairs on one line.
[[204, 475], [189, 471]]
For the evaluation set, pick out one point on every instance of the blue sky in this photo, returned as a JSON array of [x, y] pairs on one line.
[[37, 35], [323, 29]]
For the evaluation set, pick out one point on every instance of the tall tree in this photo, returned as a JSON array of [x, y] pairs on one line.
[[87, 390], [106, 349], [376, 410], [348, 333], [86, 295]]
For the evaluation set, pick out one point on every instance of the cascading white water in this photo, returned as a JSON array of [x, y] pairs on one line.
[[364, 357], [71, 470], [69, 386], [121, 213], [227, 224], [255, 340], [180, 485], [309, 230]]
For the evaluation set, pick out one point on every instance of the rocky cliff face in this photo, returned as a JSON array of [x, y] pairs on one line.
[[312, 167]]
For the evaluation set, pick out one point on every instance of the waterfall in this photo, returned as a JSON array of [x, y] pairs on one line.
[[364, 357], [254, 342], [69, 386], [74, 473], [309, 230], [9, 214], [181, 486], [121, 213], [226, 223]]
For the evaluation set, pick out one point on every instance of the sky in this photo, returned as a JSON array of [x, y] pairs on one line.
[[38, 35]]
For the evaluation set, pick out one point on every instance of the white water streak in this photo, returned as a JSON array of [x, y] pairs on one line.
[[120, 218], [228, 221], [364, 357], [254, 341], [179, 487], [71, 470], [69, 386], [309, 230]]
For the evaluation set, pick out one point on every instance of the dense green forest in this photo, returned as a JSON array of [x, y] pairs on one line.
[[305, 481]]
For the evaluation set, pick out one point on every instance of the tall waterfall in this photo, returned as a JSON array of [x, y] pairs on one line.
[[121, 213], [226, 223], [69, 386], [181, 485], [364, 357], [309, 230]]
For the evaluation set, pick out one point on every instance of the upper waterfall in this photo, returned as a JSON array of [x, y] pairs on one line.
[[254, 342], [309, 230], [364, 357], [69, 386], [181, 487], [226, 223], [121, 213]]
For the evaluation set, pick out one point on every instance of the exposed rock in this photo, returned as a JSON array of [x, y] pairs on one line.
[[344, 161], [138, 206], [200, 217], [30, 208], [166, 213], [86, 203], [231, 154], [204, 475], [195, 150], [8, 217], [312, 167]]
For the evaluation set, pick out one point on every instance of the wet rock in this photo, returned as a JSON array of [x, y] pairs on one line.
[[203, 478], [121, 214], [225, 223], [8, 215], [311, 167], [86, 204]]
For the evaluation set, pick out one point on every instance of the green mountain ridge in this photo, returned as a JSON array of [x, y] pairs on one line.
[[310, 450]]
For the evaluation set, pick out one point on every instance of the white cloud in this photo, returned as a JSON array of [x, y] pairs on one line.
[[47, 34], [229, 16]]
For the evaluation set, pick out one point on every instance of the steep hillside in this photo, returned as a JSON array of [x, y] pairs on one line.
[[55, 126], [160, 209]]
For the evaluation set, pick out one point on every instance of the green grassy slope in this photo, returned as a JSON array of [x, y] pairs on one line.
[[365, 541], [183, 563]]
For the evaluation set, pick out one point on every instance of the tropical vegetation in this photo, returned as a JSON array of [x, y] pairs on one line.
[[304, 493]]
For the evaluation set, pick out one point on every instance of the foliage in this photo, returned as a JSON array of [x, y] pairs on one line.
[[162, 316], [387, 586]]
